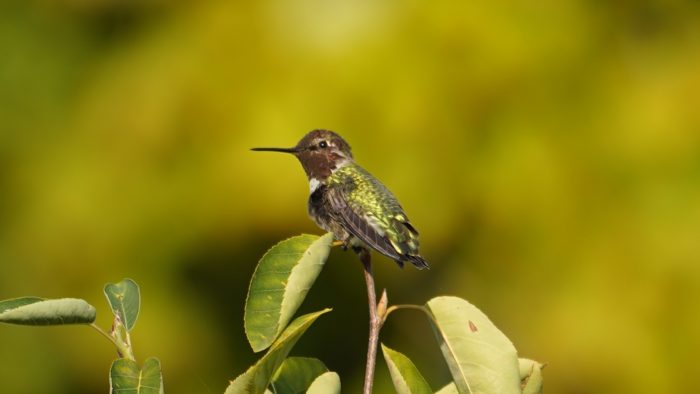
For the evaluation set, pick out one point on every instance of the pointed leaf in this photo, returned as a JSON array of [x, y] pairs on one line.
[[296, 374], [256, 379], [279, 285], [328, 383], [449, 389], [481, 359], [530, 376], [33, 311], [125, 300], [406, 377], [126, 377]]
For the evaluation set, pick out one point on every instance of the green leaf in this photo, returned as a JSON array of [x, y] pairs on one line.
[[33, 311], [481, 359], [530, 376], [328, 383], [449, 389], [125, 299], [279, 285], [296, 374], [404, 374], [17, 302], [126, 377], [256, 379]]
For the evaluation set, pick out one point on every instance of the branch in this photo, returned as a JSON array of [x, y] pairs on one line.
[[376, 318]]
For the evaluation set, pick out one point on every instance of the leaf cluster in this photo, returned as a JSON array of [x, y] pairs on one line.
[[480, 358], [124, 298]]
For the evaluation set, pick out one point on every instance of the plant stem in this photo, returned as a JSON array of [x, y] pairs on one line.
[[124, 349], [103, 333], [124, 346], [407, 306], [375, 321]]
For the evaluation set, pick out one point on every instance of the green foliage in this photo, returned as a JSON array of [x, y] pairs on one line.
[[481, 359], [328, 383], [125, 300], [126, 377], [279, 285], [296, 374], [256, 379], [33, 311], [479, 356], [406, 377]]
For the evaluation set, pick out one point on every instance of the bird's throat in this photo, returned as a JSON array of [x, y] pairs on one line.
[[313, 184]]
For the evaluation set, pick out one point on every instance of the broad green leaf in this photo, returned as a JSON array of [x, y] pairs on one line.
[[125, 299], [256, 379], [404, 374], [481, 359], [296, 374], [279, 285], [449, 389], [530, 376], [33, 311], [328, 383], [126, 377]]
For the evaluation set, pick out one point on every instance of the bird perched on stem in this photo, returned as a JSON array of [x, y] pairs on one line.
[[348, 201]]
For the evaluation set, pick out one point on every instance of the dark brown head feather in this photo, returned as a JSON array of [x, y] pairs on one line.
[[320, 151]]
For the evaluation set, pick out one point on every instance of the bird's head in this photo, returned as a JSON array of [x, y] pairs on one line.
[[320, 153]]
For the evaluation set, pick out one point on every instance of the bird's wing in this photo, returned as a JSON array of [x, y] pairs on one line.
[[359, 225]]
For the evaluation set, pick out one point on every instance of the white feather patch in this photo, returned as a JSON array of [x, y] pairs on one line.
[[314, 184]]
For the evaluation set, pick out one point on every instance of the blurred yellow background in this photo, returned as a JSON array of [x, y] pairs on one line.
[[549, 153]]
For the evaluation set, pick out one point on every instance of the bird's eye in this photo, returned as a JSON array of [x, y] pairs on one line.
[[323, 144]]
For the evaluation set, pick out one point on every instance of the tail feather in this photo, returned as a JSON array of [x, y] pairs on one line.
[[418, 261]]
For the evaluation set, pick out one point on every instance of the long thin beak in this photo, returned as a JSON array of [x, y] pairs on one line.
[[285, 150]]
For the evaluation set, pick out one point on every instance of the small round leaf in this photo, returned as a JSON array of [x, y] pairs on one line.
[[126, 377], [125, 300]]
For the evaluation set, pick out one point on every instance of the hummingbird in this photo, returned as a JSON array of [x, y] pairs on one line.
[[348, 201]]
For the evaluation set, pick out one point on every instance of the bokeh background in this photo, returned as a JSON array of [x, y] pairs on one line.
[[549, 153]]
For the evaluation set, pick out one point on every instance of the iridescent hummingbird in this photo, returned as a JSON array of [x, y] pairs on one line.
[[348, 201]]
